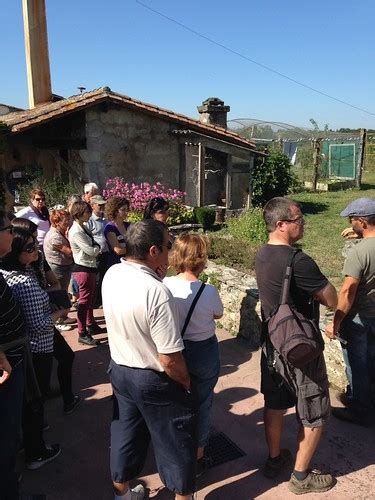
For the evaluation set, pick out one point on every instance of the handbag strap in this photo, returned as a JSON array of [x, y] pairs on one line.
[[89, 234], [284, 296], [192, 307]]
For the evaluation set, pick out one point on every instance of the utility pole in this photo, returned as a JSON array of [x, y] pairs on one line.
[[316, 158], [361, 157]]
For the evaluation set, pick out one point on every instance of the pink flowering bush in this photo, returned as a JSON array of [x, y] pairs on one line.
[[140, 194]]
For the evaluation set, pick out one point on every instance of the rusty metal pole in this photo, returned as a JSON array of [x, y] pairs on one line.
[[316, 158]]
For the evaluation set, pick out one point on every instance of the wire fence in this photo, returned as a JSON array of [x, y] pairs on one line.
[[339, 151]]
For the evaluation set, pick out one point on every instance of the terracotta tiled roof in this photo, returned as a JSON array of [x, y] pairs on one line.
[[25, 119]]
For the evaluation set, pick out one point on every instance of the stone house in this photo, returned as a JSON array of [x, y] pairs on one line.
[[101, 134]]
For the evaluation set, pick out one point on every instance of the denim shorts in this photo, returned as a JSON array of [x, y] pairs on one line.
[[148, 405]]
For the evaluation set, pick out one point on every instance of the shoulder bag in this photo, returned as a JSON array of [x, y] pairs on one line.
[[296, 338], [192, 307]]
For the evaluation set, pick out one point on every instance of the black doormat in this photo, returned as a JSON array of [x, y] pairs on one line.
[[221, 449]]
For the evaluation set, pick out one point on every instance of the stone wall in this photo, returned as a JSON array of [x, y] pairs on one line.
[[240, 297], [126, 143]]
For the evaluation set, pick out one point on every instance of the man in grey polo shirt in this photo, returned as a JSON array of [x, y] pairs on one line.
[[150, 381], [354, 318]]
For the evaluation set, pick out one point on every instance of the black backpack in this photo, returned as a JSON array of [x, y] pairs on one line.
[[296, 338]]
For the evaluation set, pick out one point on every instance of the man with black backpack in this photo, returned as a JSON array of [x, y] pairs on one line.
[[294, 380]]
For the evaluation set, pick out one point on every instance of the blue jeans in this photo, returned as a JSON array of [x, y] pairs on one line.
[[203, 363], [359, 356], [148, 405], [11, 397]]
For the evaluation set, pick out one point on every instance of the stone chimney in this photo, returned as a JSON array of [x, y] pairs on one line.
[[36, 47], [214, 112]]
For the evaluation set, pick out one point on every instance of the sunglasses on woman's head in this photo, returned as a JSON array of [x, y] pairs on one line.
[[39, 199]]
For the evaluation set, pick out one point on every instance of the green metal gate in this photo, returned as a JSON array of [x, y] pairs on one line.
[[342, 159]]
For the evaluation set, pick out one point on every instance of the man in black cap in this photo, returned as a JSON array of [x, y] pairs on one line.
[[354, 318]]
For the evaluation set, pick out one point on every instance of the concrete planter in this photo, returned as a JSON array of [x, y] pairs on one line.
[[331, 186]]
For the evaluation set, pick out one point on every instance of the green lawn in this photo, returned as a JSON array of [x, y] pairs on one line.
[[322, 238]]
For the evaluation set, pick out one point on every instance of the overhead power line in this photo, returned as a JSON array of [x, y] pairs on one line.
[[261, 65]]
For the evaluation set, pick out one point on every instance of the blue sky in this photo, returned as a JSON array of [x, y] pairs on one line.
[[328, 45]]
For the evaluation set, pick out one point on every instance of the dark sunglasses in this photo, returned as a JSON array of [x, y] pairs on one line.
[[39, 199], [7, 228], [31, 247]]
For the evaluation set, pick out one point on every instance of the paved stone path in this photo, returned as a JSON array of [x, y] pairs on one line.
[[82, 470]]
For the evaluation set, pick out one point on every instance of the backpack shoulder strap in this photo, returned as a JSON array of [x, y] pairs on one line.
[[192, 307], [284, 296]]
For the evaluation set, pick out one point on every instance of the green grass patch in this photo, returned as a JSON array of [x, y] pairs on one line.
[[233, 252], [249, 226], [322, 239]]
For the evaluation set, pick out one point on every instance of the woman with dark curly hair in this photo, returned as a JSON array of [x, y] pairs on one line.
[[61, 349], [116, 211], [39, 321], [157, 208]]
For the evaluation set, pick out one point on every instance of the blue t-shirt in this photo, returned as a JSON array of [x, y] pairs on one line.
[[111, 227]]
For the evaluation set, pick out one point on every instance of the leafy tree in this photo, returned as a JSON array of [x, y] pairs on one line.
[[272, 177]]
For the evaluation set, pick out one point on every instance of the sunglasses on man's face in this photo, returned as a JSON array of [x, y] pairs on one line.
[[7, 228], [30, 248]]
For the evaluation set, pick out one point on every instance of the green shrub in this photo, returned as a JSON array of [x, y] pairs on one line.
[[205, 216], [56, 191], [180, 214], [233, 253], [249, 226], [272, 177], [134, 216]]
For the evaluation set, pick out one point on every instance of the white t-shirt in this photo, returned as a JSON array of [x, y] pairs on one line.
[[43, 225], [201, 325], [141, 316]]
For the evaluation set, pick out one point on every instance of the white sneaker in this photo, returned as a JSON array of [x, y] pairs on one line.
[[137, 493], [62, 327]]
